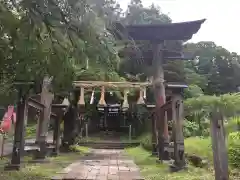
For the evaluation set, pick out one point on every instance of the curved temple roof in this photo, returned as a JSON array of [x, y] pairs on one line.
[[161, 32]]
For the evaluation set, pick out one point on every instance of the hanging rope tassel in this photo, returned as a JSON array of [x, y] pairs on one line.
[[140, 99], [81, 98], [66, 102], [145, 93], [92, 97], [102, 101], [125, 104]]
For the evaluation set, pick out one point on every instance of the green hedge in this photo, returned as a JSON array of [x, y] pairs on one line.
[[232, 125], [146, 141], [234, 149]]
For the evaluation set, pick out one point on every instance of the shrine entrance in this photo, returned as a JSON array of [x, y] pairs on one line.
[[112, 111], [110, 117]]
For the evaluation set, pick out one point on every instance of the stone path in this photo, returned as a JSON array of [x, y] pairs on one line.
[[102, 164]]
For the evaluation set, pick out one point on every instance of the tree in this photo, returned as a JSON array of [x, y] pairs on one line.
[[52, 37], [217, 66]]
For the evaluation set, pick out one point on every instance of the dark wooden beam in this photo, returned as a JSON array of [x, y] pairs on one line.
[[35, 104]]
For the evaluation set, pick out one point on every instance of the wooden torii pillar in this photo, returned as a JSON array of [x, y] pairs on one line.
[[178, 121], [159, 93], [23, 94], [59, 109], [81, 109]]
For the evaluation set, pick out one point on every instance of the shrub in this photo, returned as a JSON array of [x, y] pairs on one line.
[[31, 131], [199, 146], [202, 147], [193, 91], [234, 149], [146, 141], [190, 129], [232, 125], [228, 104]]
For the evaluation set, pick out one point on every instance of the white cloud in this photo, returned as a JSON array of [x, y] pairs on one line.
[[222, 25]]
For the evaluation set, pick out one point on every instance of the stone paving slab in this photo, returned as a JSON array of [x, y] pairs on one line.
[[102, 164]]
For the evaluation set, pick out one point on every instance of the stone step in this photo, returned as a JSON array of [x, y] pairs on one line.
[[108, 145]]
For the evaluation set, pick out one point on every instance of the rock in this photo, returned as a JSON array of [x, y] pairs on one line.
[[197, 161]]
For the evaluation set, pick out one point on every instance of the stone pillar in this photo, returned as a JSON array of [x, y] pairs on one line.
[[42, 128]]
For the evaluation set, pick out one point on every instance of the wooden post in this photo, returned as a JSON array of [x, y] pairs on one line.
[[102, 101], [86, 130], [56, 135], [19, 128], [81, 101], [159, 93], [2, 145], [140, 99], [154, 137], [178, 117], [130, 133], [125, 104], [105, 118], [220, 156], [166, 137], [69, 125], [24, 129]]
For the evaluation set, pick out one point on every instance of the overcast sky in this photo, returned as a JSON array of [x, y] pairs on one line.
[[223, 18]]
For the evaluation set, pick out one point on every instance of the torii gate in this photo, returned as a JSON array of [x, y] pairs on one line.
[[157, 35]]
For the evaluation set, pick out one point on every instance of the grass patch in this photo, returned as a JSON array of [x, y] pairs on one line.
[[153, 171], [199, 146], [125, 139], [31, 131], [80, 149], [42, 171]]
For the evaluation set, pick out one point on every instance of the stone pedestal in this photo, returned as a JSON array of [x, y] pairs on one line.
[[43, 150]]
